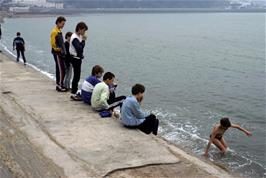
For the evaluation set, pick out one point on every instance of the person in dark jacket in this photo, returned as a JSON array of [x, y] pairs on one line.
[[90, 82], [19, 45], [67, 60], [77, 44], [0, 32]]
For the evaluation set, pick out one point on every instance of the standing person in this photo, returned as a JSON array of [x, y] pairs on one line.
[[90, 82], [58, 51], [100, 99], [77, 44], [217, 133], [133, 116], [0, 34], [19, 45], [67, 60]]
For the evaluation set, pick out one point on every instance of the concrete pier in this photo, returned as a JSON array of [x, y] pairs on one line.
[[45, 134]]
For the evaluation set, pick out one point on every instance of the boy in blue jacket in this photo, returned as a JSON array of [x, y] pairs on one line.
[[90, 82], [134, 117]]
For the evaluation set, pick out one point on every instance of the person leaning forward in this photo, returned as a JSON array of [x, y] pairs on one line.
[[132, 116]]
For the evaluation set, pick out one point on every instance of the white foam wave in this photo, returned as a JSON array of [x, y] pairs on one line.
[[180, 129], [49, 75]]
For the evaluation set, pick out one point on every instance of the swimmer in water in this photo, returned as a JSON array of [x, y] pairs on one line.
[[216, 136]]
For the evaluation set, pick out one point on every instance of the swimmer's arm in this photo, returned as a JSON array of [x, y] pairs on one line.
[[242, 129], [213, 134]]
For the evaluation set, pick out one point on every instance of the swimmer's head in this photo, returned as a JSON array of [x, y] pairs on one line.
[[225, 122]]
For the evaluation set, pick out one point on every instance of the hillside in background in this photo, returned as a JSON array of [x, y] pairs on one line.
[[144, 3]]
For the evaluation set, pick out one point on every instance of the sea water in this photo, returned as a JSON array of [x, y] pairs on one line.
[[196, 67]]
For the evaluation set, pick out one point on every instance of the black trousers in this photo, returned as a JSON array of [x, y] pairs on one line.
[[115, 101], [59, 69], [76, 63], [22, 54], [57, 72], [150, 124]]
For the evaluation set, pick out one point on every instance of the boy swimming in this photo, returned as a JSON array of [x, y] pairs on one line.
[[216, 136]]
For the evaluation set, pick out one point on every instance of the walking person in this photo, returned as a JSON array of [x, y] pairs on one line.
[[67, 60], [77, 44], [59, 52], [19, 45], [0, 34]]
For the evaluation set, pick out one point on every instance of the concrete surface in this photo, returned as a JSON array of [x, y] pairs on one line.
[[74, 141]]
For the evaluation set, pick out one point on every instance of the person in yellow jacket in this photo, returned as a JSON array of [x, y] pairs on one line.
[[59, 52]]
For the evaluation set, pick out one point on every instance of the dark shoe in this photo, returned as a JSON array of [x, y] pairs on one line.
[[78, 94], [76, 98], [60, 89]]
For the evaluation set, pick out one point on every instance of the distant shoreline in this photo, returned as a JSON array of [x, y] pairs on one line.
[[165, 10], [39, 12]]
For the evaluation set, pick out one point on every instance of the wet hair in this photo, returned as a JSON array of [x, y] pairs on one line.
[[225, 122], [18, 33], [81, 26], [108, 76], [137, 88], [68, 34], [60, 19], [96, 70]]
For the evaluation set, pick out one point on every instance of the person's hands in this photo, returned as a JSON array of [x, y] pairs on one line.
[[112, 90], [206, 154], [152, 114], [248, 133], [84, 37], [140, 100]]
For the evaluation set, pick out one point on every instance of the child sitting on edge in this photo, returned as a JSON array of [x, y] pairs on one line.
[[90, 82], [216, 136], [102, 99]]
